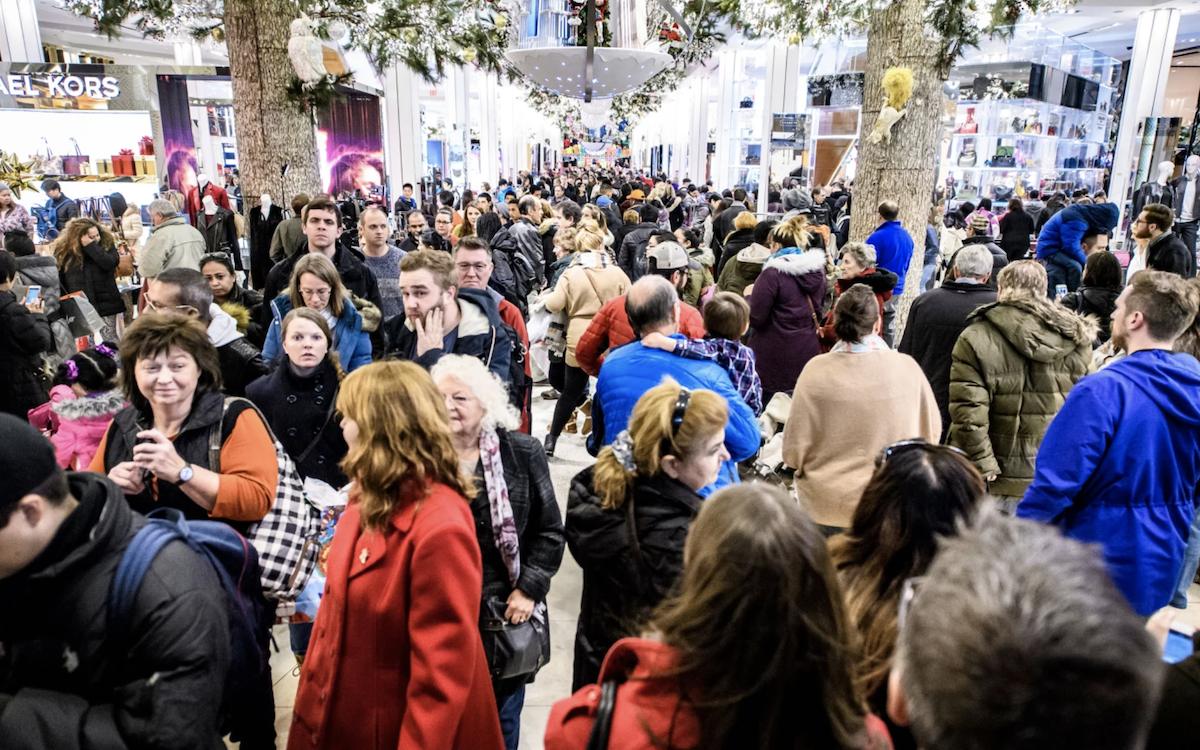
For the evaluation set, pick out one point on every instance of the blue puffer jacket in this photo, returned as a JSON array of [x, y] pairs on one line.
[[631, 370], [1119, 466], [893, 251], [1065, 229], [353, 345]]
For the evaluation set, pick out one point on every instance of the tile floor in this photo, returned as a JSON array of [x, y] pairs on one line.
[[554, 681]]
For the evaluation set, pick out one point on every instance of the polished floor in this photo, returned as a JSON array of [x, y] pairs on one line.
[[554, 681]]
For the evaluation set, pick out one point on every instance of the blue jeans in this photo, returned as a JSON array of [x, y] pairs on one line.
[[1191, 560], [1062, 269], [510, 719]]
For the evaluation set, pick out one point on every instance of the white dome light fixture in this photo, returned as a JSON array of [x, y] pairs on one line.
[[594, 114], [614, 71]]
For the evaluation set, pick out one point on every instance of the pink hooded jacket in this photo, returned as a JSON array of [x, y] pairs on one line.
[[82, 424]]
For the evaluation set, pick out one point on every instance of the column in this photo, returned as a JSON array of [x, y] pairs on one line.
[[1153, 46], [510, 143], [783, 73], [405, 141], [722, 159], [20, 37], [187, 52], [458, 126], [697, 134], [489, 130]]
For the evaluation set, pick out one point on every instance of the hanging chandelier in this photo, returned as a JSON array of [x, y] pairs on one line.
[[595, 113]]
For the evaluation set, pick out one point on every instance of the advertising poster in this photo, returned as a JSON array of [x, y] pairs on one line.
[[179, 148], [350, 146]]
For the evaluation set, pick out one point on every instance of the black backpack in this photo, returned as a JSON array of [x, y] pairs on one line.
[[520, 385]]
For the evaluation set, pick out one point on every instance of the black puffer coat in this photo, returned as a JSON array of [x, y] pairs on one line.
[[64, 682], [620, 588], [1092, 300], [96, 278], [299, 409], [24, 338], [737, 241]]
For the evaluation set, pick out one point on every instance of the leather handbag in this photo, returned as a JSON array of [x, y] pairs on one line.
[[511, 650], [602, 726], [1004, 157], [48, 164], [74, 164]]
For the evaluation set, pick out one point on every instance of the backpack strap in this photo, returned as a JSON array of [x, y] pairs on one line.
[[167, 526]]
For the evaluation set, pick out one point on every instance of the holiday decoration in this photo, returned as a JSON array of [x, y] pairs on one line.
[[306, 51], [17, 174], [898, 85]]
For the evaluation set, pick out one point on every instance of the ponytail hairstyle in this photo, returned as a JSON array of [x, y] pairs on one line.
[[656, 429], [855, 314], [95, 370], [791, 233]]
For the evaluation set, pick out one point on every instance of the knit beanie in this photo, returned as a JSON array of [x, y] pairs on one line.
[[28, 460]]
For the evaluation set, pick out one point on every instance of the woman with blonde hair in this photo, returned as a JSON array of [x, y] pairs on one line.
[[517, 520], [581, 291], [316, 285], [87, 258], [593, 212], [628, 516], [397, 661]]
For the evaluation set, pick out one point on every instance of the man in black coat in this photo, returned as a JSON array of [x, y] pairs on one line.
[[1166, 251], [66, 682], [979, 234], [937, 317], [631, 255]]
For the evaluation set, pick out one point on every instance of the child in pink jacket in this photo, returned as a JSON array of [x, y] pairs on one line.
[[81, 406]]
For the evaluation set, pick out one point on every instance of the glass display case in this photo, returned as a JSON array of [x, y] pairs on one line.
[[746, 119]]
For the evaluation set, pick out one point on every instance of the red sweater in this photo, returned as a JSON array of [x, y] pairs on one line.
[[610, 329]]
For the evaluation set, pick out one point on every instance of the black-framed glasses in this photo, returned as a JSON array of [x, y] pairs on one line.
[[904, 445], [907, 593], [681, 405]]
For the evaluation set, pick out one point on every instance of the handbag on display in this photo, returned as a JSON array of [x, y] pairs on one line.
[[48, 164], [1004, 157], [747, 103], [74, 164], [969, 157], [81, 315], [511, 650]]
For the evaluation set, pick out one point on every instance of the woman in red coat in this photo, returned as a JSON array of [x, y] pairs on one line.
[[755, 651], [396, 659]]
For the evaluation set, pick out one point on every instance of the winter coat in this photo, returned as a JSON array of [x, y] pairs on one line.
[[743, 269], [935, 321], [1168, 253], [1034, 209], [538, 521], [1054, 204], [513, 275], [1064, 231], [581, 292], [356, 277], [301, 411], [1119, 467], [132, 230], [173, 244], [287, 239], [395, 658], [1177, 715], [881, 283], [631, 370], [41, 270], [1016, 227], [241, 361], [18, 219], [95, 277], [631, 256], [82, 423], [262, 232], [610, 329], [1013, 367], [76, 685], [480, 333], [700, 278], [350, 341], [784, 310], [999, 258], [24, 338], [547, 229], [734, 243], [893, 251], [621, 587], [195, 198], [528, 241], [61, 211], [557, 268], [245, 306], [1097, 301], [219, 231], [723, 224]]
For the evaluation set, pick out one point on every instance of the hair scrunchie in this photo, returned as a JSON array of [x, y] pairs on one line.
[[622, 448], [72, 370], [106, 350]]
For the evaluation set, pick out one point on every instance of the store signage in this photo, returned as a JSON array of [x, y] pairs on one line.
[[60, 86]]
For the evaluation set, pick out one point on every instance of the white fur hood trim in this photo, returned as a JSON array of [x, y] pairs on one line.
[[798, 265], [104, 405]]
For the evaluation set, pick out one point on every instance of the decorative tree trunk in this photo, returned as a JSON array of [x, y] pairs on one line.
[[904, 170], [271, 132]]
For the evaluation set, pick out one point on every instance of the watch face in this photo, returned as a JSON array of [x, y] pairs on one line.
[[185, 474]]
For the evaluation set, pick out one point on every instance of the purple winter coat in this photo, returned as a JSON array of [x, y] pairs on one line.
[[783, 331]]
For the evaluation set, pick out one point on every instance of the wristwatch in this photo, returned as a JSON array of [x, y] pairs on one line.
[[185, 474]]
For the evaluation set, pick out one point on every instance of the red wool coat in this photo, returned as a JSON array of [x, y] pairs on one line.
[[396, 660], [195, 199]]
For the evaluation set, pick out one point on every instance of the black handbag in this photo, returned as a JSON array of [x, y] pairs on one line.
[[511, 650], [602, 726]]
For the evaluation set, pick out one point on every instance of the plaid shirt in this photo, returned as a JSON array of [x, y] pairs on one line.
[[735, 357]]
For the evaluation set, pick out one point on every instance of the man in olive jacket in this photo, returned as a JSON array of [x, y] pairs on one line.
[[1011, 371]]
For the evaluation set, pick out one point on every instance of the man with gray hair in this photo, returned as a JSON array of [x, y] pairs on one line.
[[173, 244], [628, 372], [1017, 638], [938, 316]]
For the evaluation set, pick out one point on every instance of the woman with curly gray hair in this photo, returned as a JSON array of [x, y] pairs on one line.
[[517, 520]]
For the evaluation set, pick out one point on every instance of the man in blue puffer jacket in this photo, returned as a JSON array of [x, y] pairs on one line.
[[1061, 242], [630, 370], [1120, 463]]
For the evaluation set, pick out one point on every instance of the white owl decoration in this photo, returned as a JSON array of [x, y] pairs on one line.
[[305, 51]]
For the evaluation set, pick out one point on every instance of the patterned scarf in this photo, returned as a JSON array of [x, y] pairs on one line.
[[869, 343], [504, 526]]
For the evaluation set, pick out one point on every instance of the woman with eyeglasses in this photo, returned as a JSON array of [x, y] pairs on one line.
[[316, 285], [243, 304], [848, 404], [628, 516], [755, 650], [920, 492]]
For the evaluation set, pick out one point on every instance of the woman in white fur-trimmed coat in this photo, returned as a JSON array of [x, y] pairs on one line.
[[785, 307]]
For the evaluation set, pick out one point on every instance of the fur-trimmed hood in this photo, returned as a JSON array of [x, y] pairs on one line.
[[239, 313], [799, 263], [102, 406], [1037, 328]]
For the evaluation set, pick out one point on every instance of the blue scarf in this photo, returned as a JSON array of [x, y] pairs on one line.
[[787, 251]]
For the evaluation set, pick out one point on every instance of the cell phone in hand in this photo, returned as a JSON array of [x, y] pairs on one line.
[[1180, 643], [33, 294]]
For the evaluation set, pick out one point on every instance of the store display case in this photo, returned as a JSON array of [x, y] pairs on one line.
[[746, 119]]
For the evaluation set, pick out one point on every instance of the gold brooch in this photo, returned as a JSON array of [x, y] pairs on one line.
[[362, 557]]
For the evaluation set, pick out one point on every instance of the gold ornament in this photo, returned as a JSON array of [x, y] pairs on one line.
[[218, 34], [409, 36], [468, 54], [501, 21], [794, 39]]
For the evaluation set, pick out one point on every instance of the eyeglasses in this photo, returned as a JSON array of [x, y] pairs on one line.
[[680, 412], [904, 445], [315, 293], [476, 267], [150, 305], [907, 594]]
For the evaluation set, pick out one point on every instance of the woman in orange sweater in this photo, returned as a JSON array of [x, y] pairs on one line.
[[158, 448]]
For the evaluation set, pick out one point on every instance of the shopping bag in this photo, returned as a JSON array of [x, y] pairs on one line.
[[80, 315]]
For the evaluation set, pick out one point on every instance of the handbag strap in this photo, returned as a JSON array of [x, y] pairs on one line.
[[328, 416], [602, 726]]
